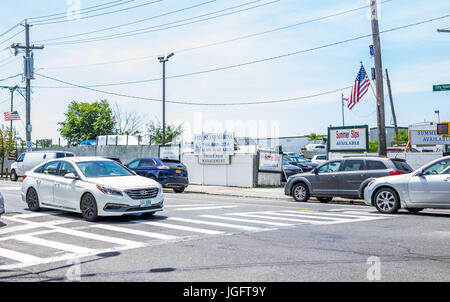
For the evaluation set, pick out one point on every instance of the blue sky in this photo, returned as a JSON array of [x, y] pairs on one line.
[[416, 57]]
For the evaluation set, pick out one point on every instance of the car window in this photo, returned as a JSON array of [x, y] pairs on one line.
[[94, 169], [353, 165], [66, 168], [330, 167], [70, 155], [441, 167], [147, 163], [49, 168], [60, 155], [322, 158], [402, 166], [133, 164], [375, 165], [21, 158]]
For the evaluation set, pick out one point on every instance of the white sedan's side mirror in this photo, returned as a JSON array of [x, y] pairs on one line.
[[71, 176]]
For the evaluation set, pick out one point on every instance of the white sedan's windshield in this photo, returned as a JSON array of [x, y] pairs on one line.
[[93, 169]]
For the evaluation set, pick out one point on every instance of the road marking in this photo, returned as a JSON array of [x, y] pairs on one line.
[[305, 215], [33, 215], [336, 215], [119, 241], [135, 232], [248, 220], [29, 226], [188, 205], [207, 208], [227, 225], [179, 227], [276, 218], [20, 257], [10, 188], [53, 244]]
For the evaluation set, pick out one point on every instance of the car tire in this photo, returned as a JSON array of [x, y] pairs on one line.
[[32, 200], [324, 199], [14, 176], [179, 190], [387, 201], [300, 192], [414, 210], [88, 207]]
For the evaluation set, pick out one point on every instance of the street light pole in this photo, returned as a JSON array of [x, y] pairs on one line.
[[438, 114], [163, 60], [343, 106]]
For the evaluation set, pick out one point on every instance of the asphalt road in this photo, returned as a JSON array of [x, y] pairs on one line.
[[213, 238]]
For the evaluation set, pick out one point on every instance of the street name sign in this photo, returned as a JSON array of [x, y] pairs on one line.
[[444, 87]]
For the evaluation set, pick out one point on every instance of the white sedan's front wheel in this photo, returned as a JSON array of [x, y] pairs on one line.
[[387, 201], [89, 208]]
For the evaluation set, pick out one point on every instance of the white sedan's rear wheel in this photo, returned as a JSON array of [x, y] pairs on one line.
[[387, 201]]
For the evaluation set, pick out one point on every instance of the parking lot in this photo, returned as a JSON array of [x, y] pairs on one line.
[[226, 238]]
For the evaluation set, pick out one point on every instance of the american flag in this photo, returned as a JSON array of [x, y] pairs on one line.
[[12, 116], [360, 88]]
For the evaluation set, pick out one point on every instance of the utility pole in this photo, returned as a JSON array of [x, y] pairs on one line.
[[392, 102], [381, 120], [29, 75], [343, 109], [163, 60]]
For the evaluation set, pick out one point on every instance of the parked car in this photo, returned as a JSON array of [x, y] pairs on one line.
[[92, 186], [29, 160], [289, 169], [319, 159], [427, 187], [401, 149], [343, 178], [2, 205], [114, 159], [320, 148], [169, 173], [302, 163]]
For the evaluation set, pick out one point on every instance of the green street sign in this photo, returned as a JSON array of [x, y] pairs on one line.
[[445, 87]]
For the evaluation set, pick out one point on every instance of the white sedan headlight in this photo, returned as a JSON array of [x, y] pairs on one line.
[[109, 191]]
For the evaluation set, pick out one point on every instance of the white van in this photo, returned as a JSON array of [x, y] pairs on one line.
[[29, 160]]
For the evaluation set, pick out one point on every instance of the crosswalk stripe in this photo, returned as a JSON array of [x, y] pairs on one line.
[[135, 232], [278, 218], [20, 257], [248, 220], [207, 208], [188, 205], [180, 227], [328, 214], [53, 244], [33, 215], [29, 226], [226, 225], [310, 216], [114, 240]]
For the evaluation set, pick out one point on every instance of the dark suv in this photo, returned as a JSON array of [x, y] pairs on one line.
[[346, 178]]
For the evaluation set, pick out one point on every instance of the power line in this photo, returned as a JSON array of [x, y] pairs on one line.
[[147, 29], [11, 77], [9, 30], [11, 37], [83, 10], [266, 59], [222, 42], [130, 23], [197, 103], [102, 14]]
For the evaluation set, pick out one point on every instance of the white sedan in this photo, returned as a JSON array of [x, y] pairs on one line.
[[427, 187], [92, 186]]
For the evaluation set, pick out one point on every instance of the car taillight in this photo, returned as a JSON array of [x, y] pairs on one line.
[[23, 178], [393, 173]]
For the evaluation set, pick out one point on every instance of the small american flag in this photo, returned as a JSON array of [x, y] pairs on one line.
[[360, 88], [12, 116]]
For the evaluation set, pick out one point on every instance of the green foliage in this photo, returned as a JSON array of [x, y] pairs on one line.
[[402, 137], [86, 121], [373, 146], [154, 132], [315, 137], [7, 144]]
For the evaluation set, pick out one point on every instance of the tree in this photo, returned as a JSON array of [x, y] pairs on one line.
[[86, 121], [7, 144], [127, 122], [315, 137], [154, 132], [373, 146], [402, 138]]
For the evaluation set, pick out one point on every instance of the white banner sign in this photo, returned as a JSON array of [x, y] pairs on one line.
[[214, 159], [428, 137], [348, 139], [170, 152], [214, 143], [269, 161]]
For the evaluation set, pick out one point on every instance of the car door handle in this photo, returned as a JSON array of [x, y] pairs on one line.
[[38, 182]]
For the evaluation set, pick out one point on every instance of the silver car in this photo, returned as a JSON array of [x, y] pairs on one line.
[[427, 187], [2, 205]]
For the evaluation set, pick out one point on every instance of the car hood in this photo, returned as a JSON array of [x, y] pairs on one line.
[[393, 179], [309, 164], [291, 167], [124, 182]]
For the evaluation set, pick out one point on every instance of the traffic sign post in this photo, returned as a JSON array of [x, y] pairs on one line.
[[445, 87]]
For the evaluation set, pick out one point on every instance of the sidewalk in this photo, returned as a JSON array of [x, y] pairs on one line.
[[270, 193]]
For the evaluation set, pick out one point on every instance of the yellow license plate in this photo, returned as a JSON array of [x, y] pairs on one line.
[[178, 171]]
